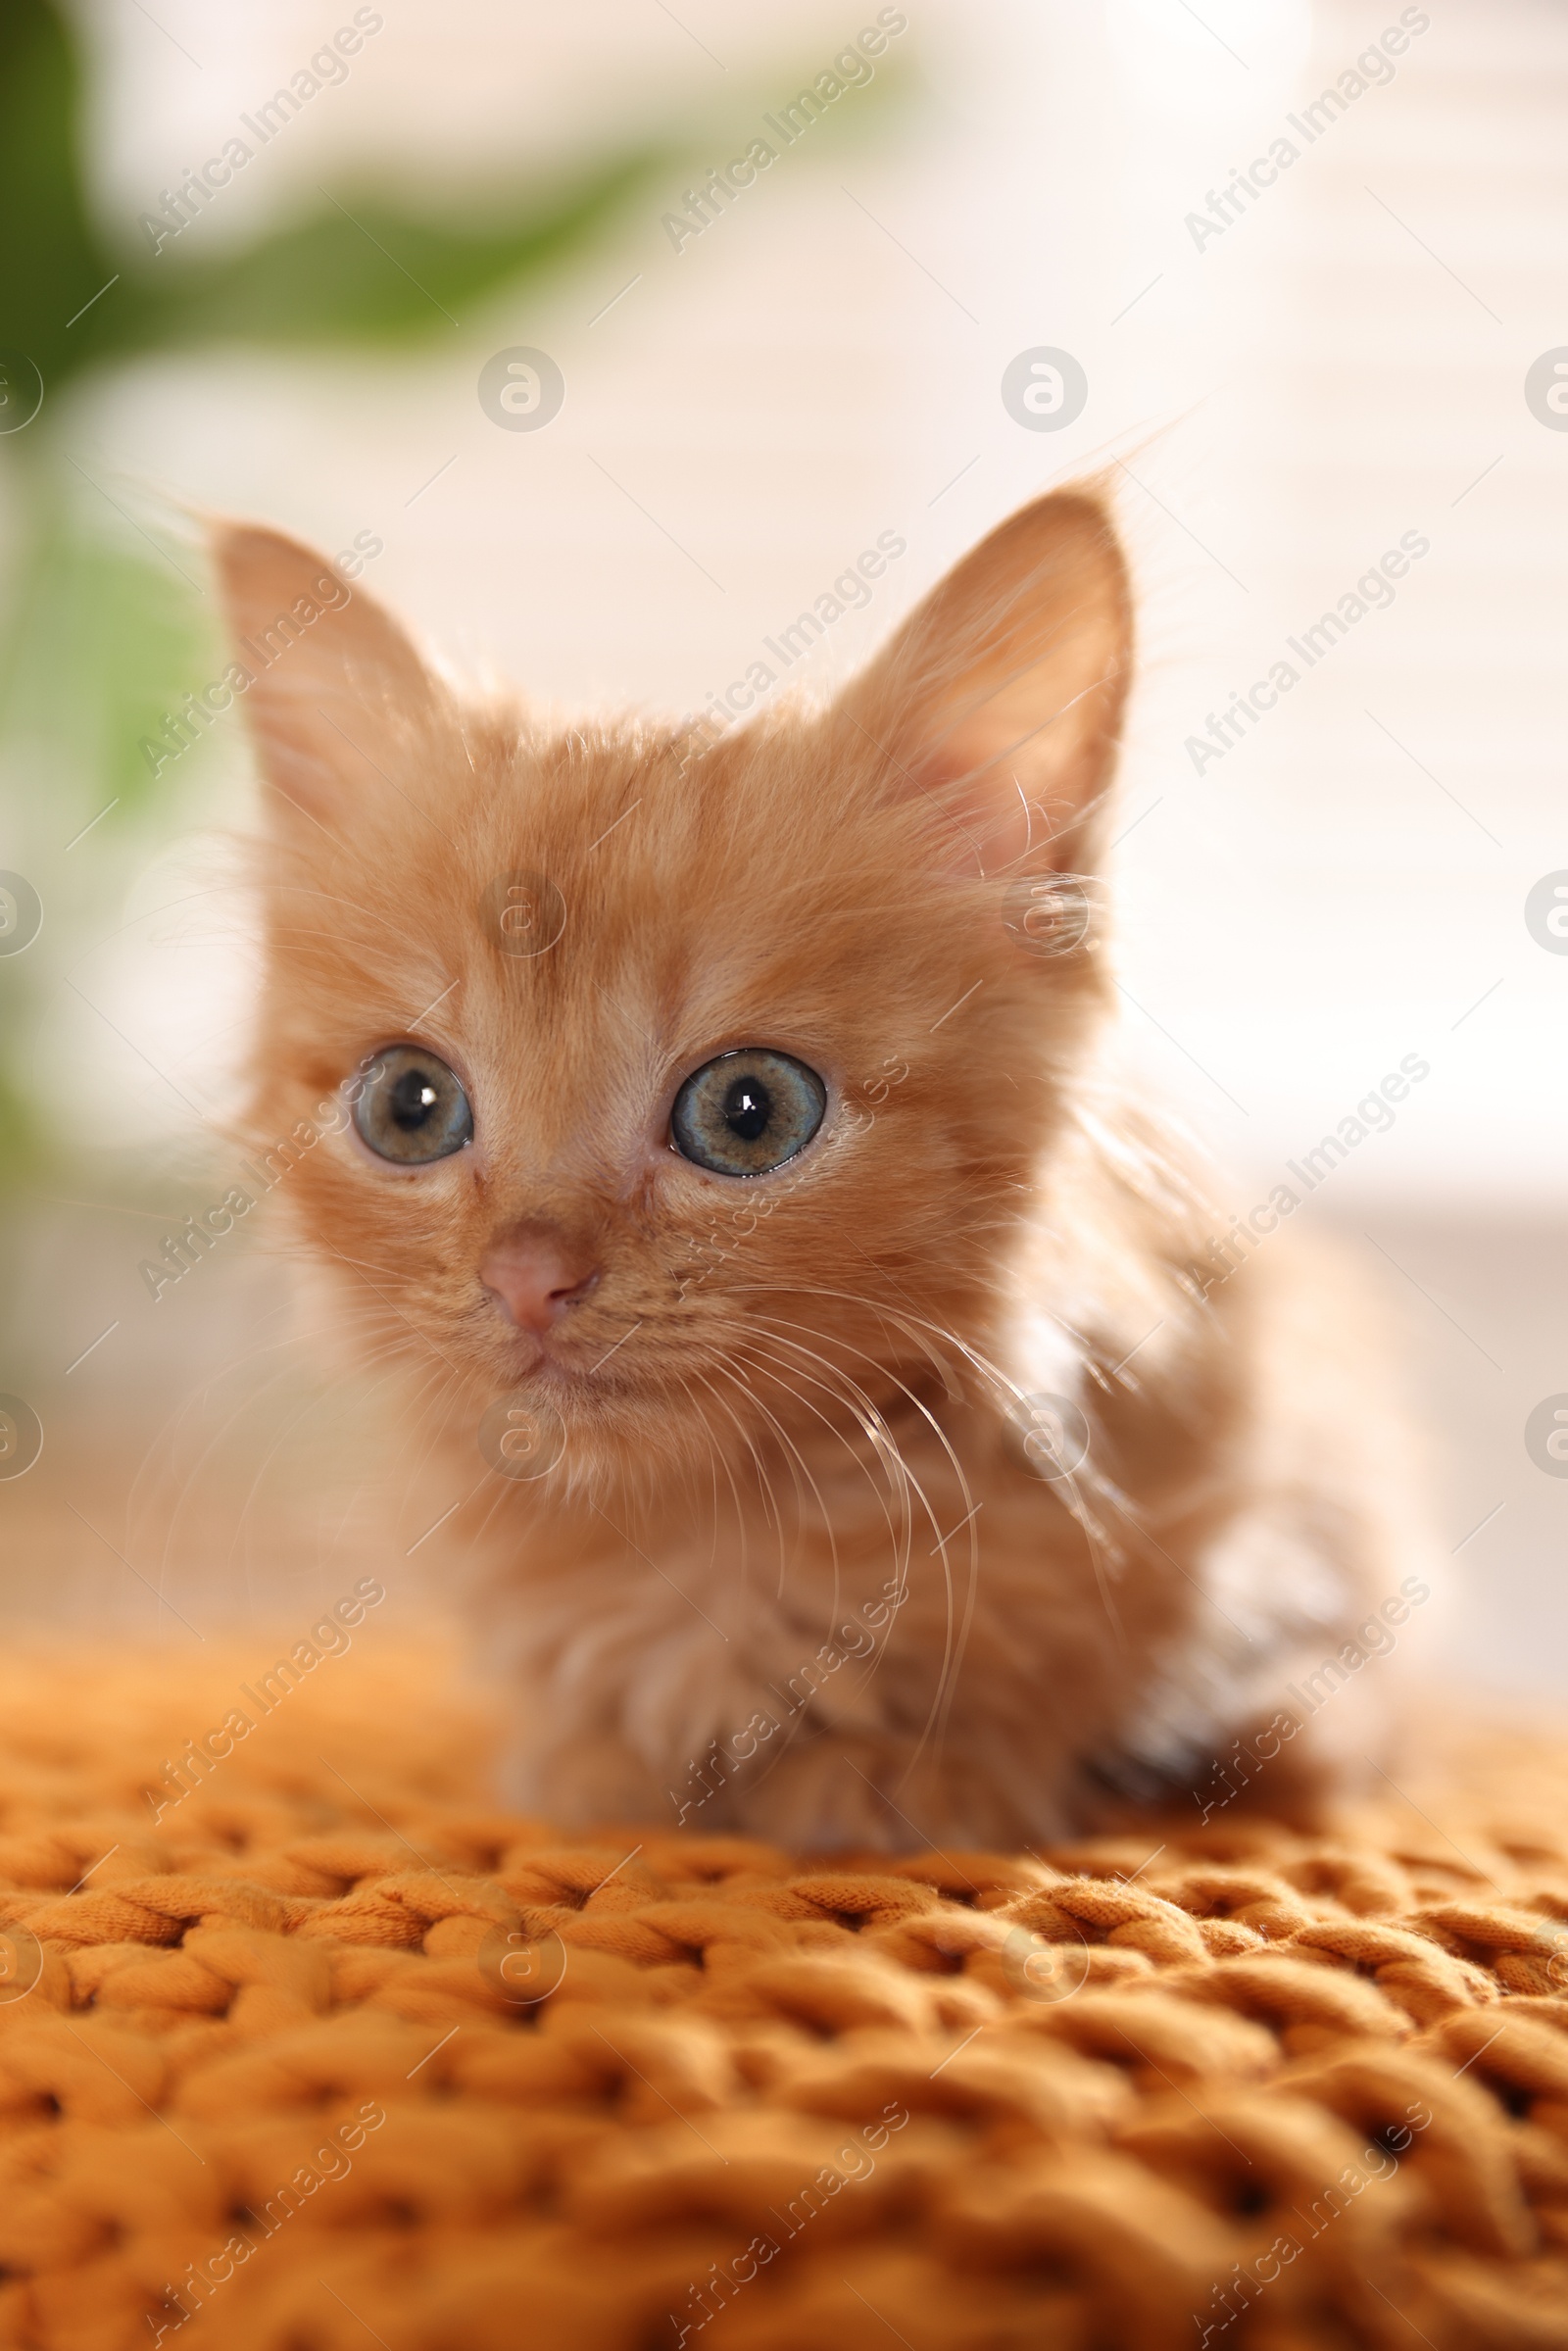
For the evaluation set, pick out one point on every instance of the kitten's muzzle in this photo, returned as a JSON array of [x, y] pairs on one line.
[[536, 1277]]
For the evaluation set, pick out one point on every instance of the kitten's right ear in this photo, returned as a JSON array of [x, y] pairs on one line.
[[332, 688]]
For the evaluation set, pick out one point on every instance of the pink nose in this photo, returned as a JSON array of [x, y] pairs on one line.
[[537, 1277]]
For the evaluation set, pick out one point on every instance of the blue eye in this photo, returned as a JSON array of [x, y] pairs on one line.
[[746, 1112], [413, 1109]]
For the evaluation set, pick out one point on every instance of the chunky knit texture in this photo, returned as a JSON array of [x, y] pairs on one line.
[[331, 2055]]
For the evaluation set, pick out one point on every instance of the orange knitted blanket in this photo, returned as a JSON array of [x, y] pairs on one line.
[[331, 2055]]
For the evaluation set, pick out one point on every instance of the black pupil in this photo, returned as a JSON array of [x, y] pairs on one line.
[[411, 1099], [748, 1108]]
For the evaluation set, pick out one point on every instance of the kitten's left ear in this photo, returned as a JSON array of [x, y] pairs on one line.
[[336, 688], [1001, 697]]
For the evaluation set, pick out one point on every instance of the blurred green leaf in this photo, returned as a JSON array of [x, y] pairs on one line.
[[365, 273], [51, 258], [23, 1146], [104, 645]]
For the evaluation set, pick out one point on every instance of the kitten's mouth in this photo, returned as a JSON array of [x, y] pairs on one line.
[[560, 1361]]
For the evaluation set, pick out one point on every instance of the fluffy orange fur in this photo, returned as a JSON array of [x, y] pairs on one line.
[[796, 1568]]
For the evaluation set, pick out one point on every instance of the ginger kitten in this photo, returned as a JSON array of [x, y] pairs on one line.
[[728, 1136]]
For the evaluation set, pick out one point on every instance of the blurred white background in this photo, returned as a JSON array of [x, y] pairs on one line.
[[1278, 402]]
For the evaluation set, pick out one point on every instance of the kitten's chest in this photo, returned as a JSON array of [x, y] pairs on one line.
[[863, 1597]]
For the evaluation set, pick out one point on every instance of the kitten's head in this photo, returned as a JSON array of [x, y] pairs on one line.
[[668, 1072]]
